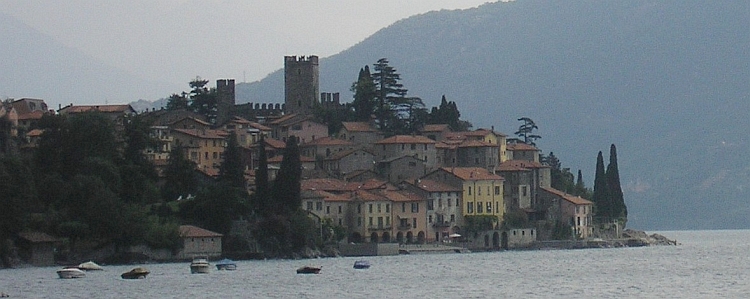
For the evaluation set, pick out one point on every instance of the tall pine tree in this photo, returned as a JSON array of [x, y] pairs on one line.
[[364, 102], [602, 206], [286, 187], [388, 92], [261, 199], [619, 210]]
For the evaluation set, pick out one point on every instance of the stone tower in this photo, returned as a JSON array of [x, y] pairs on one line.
[[225, 99], [301, 84]]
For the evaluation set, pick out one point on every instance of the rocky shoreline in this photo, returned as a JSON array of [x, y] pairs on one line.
[[630, 238]]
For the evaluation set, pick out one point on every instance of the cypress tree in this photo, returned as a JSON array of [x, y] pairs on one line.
[[286, 187], [232, 171], [619, 210], [600, 197], [262, 199]]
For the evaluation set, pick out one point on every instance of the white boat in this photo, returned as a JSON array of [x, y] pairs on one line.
[[226, 264], [200, 266], [71, 272], [89, 266]]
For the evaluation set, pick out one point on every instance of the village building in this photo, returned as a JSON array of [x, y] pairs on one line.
[[298, 125], [204, 147], [482, 190], [574, 211], [199, 242], [347, 162], [443, 207], [363, 134], [419, 147], [37, 248]]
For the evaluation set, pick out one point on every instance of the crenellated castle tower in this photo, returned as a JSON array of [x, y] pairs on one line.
[[301, 84], [225, 99]]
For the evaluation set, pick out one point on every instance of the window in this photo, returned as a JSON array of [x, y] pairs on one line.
[[387, 221], [458, 203], [413, 147], [328, 209], [370, 221], [340, 222], [430, 204], [359, 221], [497, 190], [206, 155], [359, 209], [479, 207], [440, 202], [453, 218], [379, 209], [429, 219], [479, 191], [370, 208], [387, 208], [403, 146], [380, 222], [449, 202], [414, 222], [425, 146], [403, 207], [309, 205], [489, 207], [415, 207], [523, 190], [318, 206], [470, 208], [469, 190], [339, 209]]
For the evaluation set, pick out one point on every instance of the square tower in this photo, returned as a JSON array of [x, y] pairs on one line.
[[301, 84]]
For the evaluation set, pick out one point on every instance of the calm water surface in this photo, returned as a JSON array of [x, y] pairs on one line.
[[707, 264]]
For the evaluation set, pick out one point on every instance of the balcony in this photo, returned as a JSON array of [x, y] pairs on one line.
[[379, 227], [442, 224], [406, 226]]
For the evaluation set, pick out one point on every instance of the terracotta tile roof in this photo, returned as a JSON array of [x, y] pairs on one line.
[[521, 147], [279, 158], [511, 165], [289, 119], [282, 119], [190, 231], [97, 108], [259, 126], [476, 143], [577, 200], [402, 196], [34, 133], [435, 186], [275, 143], [207, 134], [435, 128], [444, 145], [345, 153], [364, 195], [472, 173], [389, 160], [358, 127], [409, 139], [356, 173], [331, 197], [324, 141], [371, 184], [331, 185], [37, 237], [240, 120], [36, 114]]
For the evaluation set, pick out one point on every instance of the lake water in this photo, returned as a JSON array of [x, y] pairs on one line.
[[707, 264]]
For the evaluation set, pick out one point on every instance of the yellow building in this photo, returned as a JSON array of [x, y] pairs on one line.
[[204, 147], [482, 191]]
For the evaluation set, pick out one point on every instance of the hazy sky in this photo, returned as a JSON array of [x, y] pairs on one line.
[[176, 40]]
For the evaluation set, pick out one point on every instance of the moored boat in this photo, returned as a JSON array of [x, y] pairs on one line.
[[135, 273], [200, 266], [362, 264], [226, 264], [308, 270], [71, 272], [90, 266]]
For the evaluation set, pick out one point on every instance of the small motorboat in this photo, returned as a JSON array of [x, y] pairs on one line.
[[135, 273], [308, 270], [71, 272], [89, 266], [200, 266], [226, 264], [361, 264]]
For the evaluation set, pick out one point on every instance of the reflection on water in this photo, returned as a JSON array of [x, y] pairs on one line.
[[707, 264]]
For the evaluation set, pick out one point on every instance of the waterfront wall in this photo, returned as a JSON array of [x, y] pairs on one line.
[[368, 249]]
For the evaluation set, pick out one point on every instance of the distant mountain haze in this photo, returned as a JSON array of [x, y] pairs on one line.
[[34, 65], [667, 81]]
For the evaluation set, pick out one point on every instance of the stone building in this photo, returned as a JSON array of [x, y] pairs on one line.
[[301, 84]]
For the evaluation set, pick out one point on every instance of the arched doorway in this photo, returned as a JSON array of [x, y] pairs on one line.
[[504, 242], [374, 237], [400, 237], [409, 237], [355, 238], [420, 238], [486, 240], [496, 240], [386, 237]]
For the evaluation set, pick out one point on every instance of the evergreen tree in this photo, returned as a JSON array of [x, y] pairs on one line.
[[232, 170], [447, 113], [180, 179], [602, 206], [286, 187], [526, 131], [364, 102], [262, 202], [203, 100], [619, 210], [388, 92], [178, 101], [581, 187]]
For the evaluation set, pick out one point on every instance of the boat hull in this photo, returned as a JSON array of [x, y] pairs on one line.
[[308, 270], [70, 273], [137, 273]]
